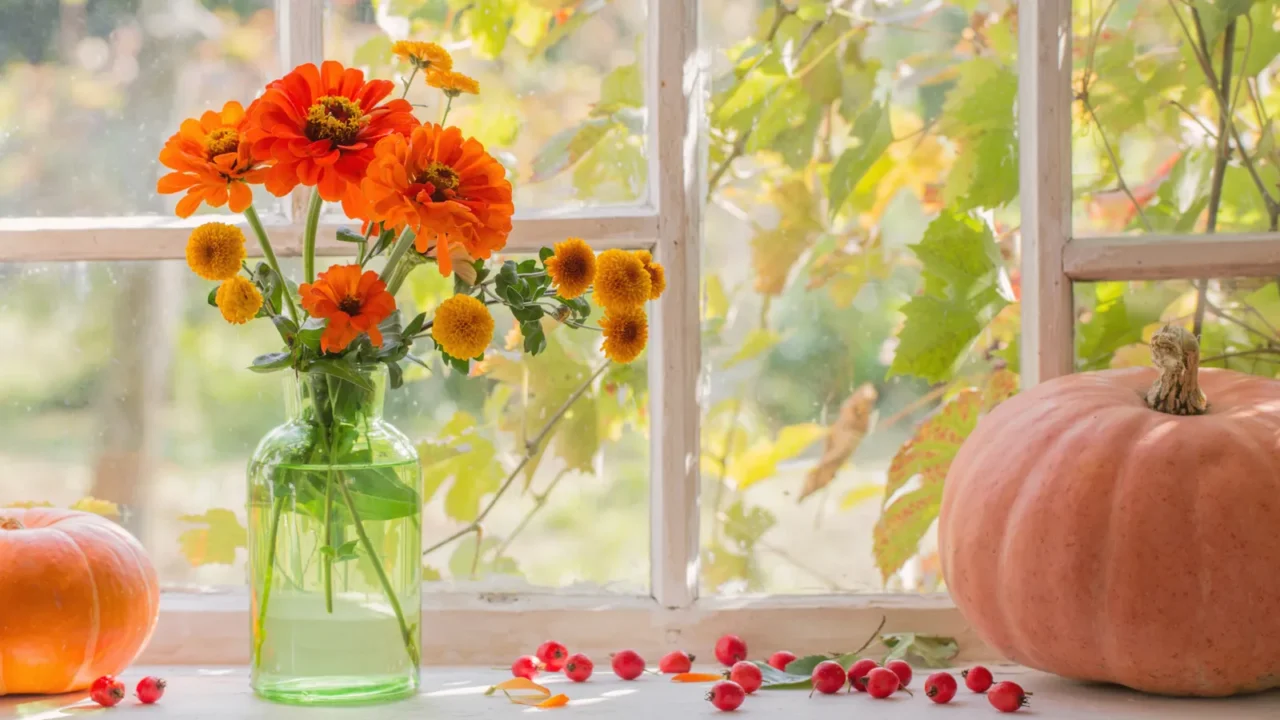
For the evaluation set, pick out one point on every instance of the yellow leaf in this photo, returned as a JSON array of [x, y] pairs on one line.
[[28, 504], [716, 303], [861, 494], [536, 701], [753, 465], [756, 342], [105, 508], [697, 677], [216, 542], [846, 434], [519, 683], [795, 439]]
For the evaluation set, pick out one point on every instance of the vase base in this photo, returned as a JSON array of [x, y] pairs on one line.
[[337, 690]]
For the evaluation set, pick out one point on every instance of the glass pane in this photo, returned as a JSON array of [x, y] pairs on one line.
[[863, 198], [1115, 321], [148, 403], [561, 100], [1149, 78], [89, 92]]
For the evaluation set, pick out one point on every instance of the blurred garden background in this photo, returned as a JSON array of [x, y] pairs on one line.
[[860, 266]]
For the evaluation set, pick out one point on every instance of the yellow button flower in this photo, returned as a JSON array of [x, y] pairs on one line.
[[621, 280], [462, 327], [238, 300], [657, 274], [215, 251], [453, 83], [572, 268], [424, 55], [626, 331]]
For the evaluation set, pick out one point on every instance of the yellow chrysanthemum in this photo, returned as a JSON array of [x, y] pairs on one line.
[[626, 331], [453, 83], [215, 250], [621, 280], [657, 274], [572, 268], [238, 300], [424, 55], [463, 327]]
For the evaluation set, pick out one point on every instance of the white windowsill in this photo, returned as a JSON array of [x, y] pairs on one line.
[[197, 694]]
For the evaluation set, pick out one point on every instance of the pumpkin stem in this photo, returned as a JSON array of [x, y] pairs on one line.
[[10, 523], [1176, 354]]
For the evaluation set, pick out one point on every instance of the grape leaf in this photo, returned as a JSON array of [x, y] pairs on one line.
[[905, 518], [985, 174], [216, 542], [961, 266], [1107, 328], [90, 504], [873, 134]]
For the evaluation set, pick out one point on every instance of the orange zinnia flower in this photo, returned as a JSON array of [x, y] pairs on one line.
[[443, 186], [211, 161], [353, 302], [319, 126]]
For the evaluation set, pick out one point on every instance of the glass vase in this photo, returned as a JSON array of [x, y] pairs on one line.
[[335, 542]]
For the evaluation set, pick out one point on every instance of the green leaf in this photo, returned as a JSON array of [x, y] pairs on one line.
[[933, 651], [464, 560], [775, 679], [490, 22], [985, 174], [345, 234], [567, 147], [873, 134], [1108, 327], [374, 52], [270, 362], [310, 332], [745, 527], [214, 543], [213, 296], [961, 266], [983, 98], [379, 494], [622, 87], [756, 343], [804, 666], [342, 371]]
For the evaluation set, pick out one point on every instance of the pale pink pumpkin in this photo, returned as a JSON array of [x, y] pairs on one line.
[[1101, 531]]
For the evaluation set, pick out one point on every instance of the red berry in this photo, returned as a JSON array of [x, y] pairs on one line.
[[977, 678], [578, 667], [628, 664], [902, 670], [747, 675], [150, 689], [781, 659], [882, 682], [730, 649], [940, 687], [726, 695], [675, 662], [1007, 697], [828, 677], [858, 673], [526, 666], [552, 654], [106, 691]]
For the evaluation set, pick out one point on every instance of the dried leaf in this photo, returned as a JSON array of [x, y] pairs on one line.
[[554, 701], [105, 508], [697, 677], [518, 684], [846, 434]]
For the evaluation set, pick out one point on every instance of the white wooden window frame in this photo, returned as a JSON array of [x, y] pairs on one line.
[[485, 628]]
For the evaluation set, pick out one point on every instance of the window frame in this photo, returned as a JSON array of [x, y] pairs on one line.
[[213, 627]]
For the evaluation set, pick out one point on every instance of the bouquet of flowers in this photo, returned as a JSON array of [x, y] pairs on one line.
[[420, 194]]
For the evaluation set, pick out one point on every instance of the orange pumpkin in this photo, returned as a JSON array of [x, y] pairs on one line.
[[1106, 526], [78, 599]]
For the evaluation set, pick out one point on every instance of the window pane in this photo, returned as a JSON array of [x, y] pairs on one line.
[[562, 98], [1148, 116], [854, 280], [1115, 321], [121, 394], [89, 92]]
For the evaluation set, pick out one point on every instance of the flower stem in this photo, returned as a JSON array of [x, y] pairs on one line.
[[260, 631], [255, 222], [447, 107], [410, 643], [309, 236], [397, 252]]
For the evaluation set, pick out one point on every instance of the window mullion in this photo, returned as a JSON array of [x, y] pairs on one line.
[[301, 31], [1044, 124], [674, 93]]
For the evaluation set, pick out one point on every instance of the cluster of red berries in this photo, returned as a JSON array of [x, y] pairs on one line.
[[867, 676], [553, 657], [108, 691]]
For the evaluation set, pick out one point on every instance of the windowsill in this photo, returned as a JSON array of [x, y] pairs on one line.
[[223, 693]]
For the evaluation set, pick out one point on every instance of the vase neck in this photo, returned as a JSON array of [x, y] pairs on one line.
[[325, 398]]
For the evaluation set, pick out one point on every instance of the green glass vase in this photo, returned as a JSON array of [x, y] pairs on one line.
[[335, 542]]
